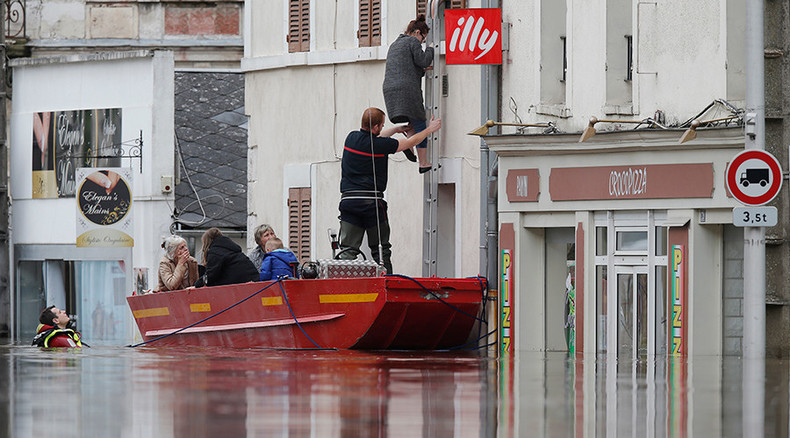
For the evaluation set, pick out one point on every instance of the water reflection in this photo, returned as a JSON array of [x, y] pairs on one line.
[[201, 392]]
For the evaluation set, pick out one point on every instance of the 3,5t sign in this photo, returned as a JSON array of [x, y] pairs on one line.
[[754, 216]]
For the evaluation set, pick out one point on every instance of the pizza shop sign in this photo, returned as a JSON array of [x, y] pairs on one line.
[[473, 36]]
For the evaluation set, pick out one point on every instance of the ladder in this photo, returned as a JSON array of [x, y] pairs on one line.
[[433, 89]]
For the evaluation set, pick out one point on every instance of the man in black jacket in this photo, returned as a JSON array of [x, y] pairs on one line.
[[363, 209]]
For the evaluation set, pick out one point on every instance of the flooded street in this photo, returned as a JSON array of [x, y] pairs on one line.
[[200, 392]]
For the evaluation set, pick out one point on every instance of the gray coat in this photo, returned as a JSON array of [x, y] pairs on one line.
[[406, 63]]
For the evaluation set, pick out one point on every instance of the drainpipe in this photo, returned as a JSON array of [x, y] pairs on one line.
[[488, 179]]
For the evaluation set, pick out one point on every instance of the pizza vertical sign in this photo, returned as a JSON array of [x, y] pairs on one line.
[[473, 36], [104, 201]]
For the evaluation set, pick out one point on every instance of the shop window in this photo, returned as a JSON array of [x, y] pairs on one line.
[[601, 305], [632, 241], [661, 310], [31, 299], [298, 26], [661, 241], [369, 33], [299, 221], [600, 241], [100, 288]]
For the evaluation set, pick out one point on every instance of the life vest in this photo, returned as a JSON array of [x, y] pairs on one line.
[[48, 336]]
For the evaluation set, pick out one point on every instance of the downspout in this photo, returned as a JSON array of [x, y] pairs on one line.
[[489, 219]]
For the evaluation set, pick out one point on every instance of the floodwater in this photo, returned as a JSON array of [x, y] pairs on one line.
[[209, 392]]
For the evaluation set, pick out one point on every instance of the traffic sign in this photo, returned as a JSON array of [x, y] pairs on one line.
[[754, 216], [754, 177]]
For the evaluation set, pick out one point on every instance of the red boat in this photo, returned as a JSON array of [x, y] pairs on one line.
[[369, 313]]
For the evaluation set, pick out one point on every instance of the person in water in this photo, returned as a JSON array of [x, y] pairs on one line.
[[55, 330]]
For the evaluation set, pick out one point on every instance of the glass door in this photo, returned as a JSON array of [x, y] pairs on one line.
[[632, 327]]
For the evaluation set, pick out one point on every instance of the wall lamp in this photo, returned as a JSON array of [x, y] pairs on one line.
[[483, 130], [589, 131], [691, 132]]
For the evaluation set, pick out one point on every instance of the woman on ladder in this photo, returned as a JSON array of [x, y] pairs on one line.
[[406, 64]]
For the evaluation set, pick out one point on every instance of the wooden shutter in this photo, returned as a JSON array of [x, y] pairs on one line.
[[369, 23], [299, 222], [421, 5], [452, 4], [299, 26]]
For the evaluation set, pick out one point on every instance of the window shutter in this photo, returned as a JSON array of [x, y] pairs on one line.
[[421, 5], [453, 4], [299, 26], [299, 222], [369, 23]]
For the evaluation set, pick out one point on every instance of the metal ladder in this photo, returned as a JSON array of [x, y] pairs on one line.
[[433, 90]]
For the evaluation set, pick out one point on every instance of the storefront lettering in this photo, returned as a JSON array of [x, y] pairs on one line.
[[628, 182], [505, 301], [676, 330]]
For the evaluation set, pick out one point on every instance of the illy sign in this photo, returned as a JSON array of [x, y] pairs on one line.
[[473, 36]]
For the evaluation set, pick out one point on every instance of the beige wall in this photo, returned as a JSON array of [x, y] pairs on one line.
[[302, 106]]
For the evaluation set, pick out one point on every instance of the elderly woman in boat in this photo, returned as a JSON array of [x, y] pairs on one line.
[[177, 269]]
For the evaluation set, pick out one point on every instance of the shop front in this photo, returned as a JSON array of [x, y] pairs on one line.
[[622, 245]]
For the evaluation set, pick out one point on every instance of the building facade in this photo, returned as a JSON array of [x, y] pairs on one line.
[[311, 68], [194, 178]]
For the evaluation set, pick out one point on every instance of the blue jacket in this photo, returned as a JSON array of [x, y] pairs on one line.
[[277, 263]]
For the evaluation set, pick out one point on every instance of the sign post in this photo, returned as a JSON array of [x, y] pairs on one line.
[[754, 237]]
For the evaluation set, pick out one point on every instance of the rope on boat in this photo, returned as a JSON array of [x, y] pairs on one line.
[[209, 317], [438, 297], [282, 289], [475, 342], [483, 320]]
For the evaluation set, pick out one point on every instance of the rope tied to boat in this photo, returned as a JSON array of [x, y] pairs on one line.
[[432, 293]]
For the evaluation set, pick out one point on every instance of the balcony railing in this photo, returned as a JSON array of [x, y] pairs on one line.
[[14, 19]]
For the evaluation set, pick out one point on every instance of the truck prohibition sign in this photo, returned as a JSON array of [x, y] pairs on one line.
[[754, 177]]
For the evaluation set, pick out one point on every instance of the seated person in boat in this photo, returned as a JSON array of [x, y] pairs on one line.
[[56, 329], [177, 269], [224, 261], [263, 233], [278, 262]]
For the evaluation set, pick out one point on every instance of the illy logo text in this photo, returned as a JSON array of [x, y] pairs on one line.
[[485, 41], [473, 36]]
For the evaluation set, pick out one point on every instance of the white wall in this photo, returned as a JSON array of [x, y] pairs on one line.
[[302, 106], [141, 84], [679, 60]]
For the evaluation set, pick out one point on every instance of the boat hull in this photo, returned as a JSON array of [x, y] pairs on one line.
[[371, 313]]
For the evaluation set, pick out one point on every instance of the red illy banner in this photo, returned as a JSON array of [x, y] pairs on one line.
[[473, 36]]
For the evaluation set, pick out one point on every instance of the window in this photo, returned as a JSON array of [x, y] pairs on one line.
[[629, 56], [299, 221], [452, 4], [564, 58], [553, 52], [369, 33], [619, 57], [299, 26]]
